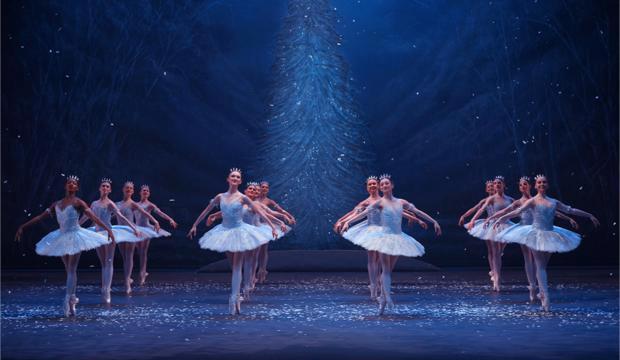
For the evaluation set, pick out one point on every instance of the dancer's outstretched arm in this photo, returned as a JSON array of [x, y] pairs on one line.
[[411, 219], [572, 222], [164, 216], [488, 201], [45, 214], [245, 200], [470, 211], [137, 207], [213, 203], [514, 213], [213, 218], [81, 205], [359, 216], [119, 216], [573, 211], [280, 209], [409, 206], [513, 206], [356, 210]]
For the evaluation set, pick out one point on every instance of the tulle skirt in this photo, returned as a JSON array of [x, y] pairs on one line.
[[242, 237], [267, 230], [59, 243], [556, 240], [397, 244], [359, 233], [488, 233], [148, 232], [122, 233]]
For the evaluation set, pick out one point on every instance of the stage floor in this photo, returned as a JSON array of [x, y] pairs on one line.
[[449, 314]]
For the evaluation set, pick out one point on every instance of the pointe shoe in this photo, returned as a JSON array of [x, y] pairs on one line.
[[246, 294], [128, 287], [262, 276], [105, 295], [66, 308], [382, 304], [533, 294], [143, 278], [234, 304], [389, 304], [73, 301], [373, 292], [544, 301]]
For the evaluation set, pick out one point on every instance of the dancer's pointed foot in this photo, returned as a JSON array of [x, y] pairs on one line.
[[533, 294], [128, 287], [544, 300], [262, 275], [382, 304], [373, 292], [246, 293], [143, 276], [234, 304], [105, 295], [73, 301]]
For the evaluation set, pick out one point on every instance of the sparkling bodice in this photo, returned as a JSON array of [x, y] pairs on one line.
[[125, 209], [103, 213], [68, 218], [374, 216], [392, 218], [544, 214], [527, 217], [232, 211], [248, 216], [140, 218]]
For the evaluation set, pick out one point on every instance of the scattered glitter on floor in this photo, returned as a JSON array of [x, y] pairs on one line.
[[448, 314]]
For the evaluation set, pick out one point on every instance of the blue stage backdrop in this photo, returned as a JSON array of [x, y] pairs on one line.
[[311, 96]]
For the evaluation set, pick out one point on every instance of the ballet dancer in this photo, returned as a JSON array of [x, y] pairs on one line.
[[263, 254], [390, 242], [476, 228], [104, 208], [70, 239], [142, 247], [542, 237], [526, 218], [372, 223], [233, 235], [129, 208]]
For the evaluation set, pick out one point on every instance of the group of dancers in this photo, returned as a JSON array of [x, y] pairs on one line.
[[250, 220]]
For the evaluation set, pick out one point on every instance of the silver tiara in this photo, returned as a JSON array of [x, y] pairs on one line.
[[251, 183], [372, 177], [385, 176], [235, 169], [128, 183], [104, 180], [525, 178], [73, 177], [145, 186], [499, 177], [489, 182], [539, 176], [264, 182]]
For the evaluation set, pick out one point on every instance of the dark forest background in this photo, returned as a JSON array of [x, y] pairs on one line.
[[173, 93]]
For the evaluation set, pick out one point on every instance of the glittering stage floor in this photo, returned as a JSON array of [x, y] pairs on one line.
[[449, 314]]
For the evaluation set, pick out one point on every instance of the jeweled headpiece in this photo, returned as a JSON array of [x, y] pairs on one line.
[[525, 178], [372, 177], [145, 186], [232, 170], [385, 176], [106, 180], [539, 176], [500, 178], [130, 183], [251, 183], [489, 182], [73, 177]]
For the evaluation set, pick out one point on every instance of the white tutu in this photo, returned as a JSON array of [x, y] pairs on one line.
[[71, 242], [360, 232], [397, 244], [488, 233], [122, 233], [511, 235], [267, 230], [556, 240], [240, 237], [149, 233]]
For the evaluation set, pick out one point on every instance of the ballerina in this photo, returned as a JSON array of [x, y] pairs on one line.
[[366, 228], [142, 247], [252, 191], [390, 242], [475, 227], [490, 190], [104, 208], [542, 237], [129, 208], [70, 239], [233, 235], [263, 254], [526, 218]]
